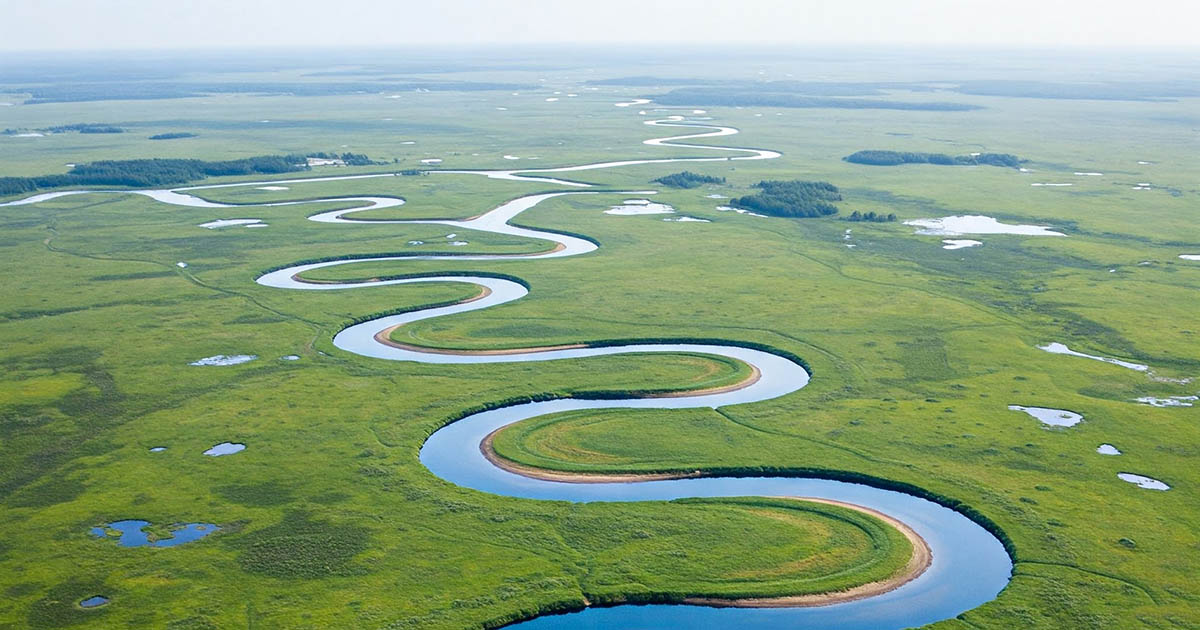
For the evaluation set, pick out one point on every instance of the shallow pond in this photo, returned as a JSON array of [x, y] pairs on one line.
[[1107, 449], [976, 224], [1051, 417], [1058, 348], [225, 359], [94, 601], [1143, 481], [132, 533], [640, 206], [225, 448], [1170, 401], [739, 211], [962, 243], [220, 223]]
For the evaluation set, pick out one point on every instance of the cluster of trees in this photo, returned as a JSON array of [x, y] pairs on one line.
[[871, 217], [78, 127], [85, 128], [893, 158], [351, 159], [688, 179], [174, 135], [155, 172], [794, 198]]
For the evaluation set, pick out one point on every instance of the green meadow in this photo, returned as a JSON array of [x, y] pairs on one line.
[[329, 520]]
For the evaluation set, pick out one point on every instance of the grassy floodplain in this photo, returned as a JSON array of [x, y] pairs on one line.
[[329, 520]]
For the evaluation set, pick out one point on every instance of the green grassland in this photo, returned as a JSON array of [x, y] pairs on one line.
[[330, 521]]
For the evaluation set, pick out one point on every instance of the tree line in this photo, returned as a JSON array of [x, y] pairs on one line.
[[877, 157], [78, 127], [871, 217], [794, 198]]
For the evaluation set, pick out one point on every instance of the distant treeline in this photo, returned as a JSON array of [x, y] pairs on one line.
[[152, 172], [79, 127], [871, 217], [795, 198], [137, 90], [893, 158], [85, 128], [174, 135], [159, 172], [763, 98], [351, 159], [688, 179]]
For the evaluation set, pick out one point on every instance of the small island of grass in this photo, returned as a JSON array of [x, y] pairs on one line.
[[174, 135]]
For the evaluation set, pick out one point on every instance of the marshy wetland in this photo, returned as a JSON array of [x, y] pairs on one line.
[[450, 399]]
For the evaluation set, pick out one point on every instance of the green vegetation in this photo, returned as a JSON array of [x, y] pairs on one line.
[[84, 128], [150, 173], [871, 217], [915, 353], [349, 159], [87, 128], [688, 179], [893, 158], [156, 172], [301, 547], [174, 135], [794, 198]]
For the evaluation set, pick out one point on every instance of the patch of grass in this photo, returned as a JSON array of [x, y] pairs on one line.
[[300, 547], [59, 607], [265, 493]]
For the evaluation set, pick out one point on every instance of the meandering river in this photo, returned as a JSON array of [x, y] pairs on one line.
[[969, 565]]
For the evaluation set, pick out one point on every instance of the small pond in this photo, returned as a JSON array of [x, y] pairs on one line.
[[1051, 417], [1143, 481], [132, 533], [225, 448]]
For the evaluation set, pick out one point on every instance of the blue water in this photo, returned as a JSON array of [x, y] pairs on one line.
[[132, 534], [94, 601], [225, 448], [970, 566]]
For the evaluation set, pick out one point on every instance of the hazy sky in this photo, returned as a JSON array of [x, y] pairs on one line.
[[93, 24]]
